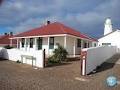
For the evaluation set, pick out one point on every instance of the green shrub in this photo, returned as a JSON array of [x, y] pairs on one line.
[[18, 61], [8, 47], [59, 54]]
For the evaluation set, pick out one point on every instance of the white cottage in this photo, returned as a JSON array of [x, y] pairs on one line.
[[111, 37], [48, 36]]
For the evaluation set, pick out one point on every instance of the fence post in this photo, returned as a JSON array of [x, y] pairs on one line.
[[44, 58], [83, 62]]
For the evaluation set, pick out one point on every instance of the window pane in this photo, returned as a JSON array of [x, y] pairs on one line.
[[39, 42], [85, 45], [23, 42], [95, 45], [31, 42], [51, 43], [78, 42]]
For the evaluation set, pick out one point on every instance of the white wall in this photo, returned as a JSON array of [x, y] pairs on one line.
[[93, 44], [97, 55], [60, 40], [15, 54], [112, 38], [45, 44], [57, 39], [70, 45]]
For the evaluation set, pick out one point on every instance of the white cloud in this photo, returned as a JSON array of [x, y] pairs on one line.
[[21, 15], [30, 24], [18, 5]]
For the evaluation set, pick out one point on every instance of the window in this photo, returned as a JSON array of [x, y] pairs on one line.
[[106, 43], [39, 42], [23, 42], [31, 42], [51, 43], [85, 45], [95, 45], [78, 42]]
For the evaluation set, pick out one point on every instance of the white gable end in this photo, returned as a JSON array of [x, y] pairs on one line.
[[111, 39]]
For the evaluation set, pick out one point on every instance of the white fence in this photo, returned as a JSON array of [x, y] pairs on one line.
[[96, 56], [15, 54]]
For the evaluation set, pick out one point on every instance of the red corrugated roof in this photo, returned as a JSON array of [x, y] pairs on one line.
[[53, 29], [1, 36], [4, 40]]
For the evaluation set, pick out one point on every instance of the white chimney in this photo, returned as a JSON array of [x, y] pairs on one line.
[[107, 26]]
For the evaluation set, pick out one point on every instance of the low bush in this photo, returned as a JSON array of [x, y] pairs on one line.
[[18, 61], [59, 55], [8, 47]]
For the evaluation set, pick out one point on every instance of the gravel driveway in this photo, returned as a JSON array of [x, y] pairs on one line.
[[14, 76]]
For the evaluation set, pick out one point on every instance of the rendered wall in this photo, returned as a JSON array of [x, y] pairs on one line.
[[112, 38], [97, 55], [15, 54]]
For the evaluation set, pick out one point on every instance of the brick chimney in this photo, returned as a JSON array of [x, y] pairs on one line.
[[5, 33], [48, 22]]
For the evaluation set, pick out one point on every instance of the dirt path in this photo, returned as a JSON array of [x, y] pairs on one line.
[[15, 76]]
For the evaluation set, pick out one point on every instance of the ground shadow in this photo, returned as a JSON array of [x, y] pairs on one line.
[[2, 59], [57, 64], [108, 64], [68, 61], [73, 59]]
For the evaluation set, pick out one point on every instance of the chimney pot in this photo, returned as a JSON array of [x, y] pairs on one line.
[[5, 34], [11, 33], [48, 22]]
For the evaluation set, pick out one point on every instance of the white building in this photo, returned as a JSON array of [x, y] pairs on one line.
[[48, 36], [111, 37]]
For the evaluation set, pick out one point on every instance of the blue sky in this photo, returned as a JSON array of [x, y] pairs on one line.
[[86, 16]]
